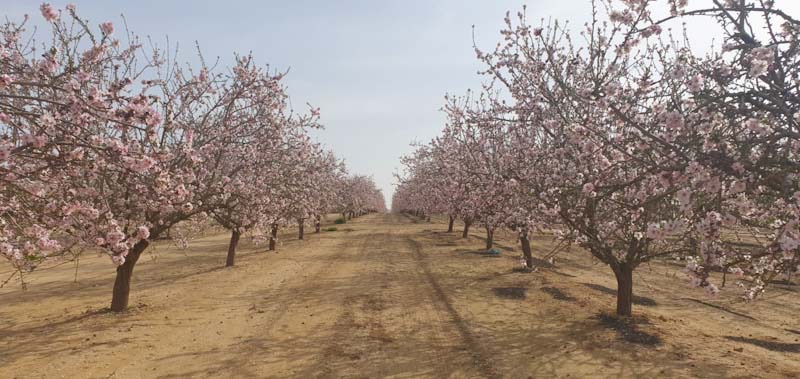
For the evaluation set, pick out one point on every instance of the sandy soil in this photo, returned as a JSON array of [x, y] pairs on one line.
[[384, 296]]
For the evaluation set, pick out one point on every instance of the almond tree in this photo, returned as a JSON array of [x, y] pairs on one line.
[[744, 193], [107, 146], [602, 121]]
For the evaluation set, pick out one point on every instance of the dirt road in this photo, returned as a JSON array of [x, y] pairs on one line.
[[383, 296]]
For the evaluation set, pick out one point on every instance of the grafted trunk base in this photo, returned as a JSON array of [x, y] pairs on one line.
[[301, 229], [624, 275], [235, 234], [122, 283], [526, 250], [489, 238], [273, 237]]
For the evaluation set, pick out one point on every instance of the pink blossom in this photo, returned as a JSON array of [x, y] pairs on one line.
[[5, 80], [756, 126], [114, 237], [118, 260], [674, 121], [588, 189], [696, 83], [5, 150], [142, 232], [107, 28], [758, 67], [77, 153], [711, 289], [153, 119], [684, 196], [738, 186], [48, 12], [188, 207]]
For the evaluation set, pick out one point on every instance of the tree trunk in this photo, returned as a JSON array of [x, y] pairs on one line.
[[301, 226], [122, 284], [489, 238], [624, 274], [235, 234], [318, 224], [350, 216], [273, 237], [450, 225], [526, 250], [465, 233]]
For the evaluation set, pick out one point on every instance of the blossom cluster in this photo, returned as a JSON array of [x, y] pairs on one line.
[[632, 145]]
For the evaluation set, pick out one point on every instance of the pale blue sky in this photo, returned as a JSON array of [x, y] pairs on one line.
[[378, 69]]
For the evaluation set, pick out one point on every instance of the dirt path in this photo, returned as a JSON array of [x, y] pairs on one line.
[[383, 296], [371, 310], [360, 302]]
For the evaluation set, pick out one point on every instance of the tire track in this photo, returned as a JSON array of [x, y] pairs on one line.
[[288, 296], [440, 299]]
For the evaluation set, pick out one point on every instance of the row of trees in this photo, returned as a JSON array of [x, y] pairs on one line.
[[624, 140], [106, 145]]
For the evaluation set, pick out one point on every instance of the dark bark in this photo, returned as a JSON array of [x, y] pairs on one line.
[[526, 250], [489, 238], [122, 284], [235, 234], [465, 233], [273, 237], [301, 226], [450, 225], [318, 224], [624, 274]]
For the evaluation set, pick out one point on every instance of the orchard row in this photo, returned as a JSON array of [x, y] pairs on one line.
[[623, 140], [107, 145]]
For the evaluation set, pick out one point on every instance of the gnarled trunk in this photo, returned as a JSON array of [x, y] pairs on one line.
[[489, 238], [465, 233], [450, 224], [235, 234], [273, 238], [301, 226], [122, 284], [526, 249], [318, 224], [624, 274]]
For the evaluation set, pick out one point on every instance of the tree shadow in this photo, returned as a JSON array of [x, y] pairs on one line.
[[514, 293], [627, 329], [781, 347], [742, 315], [557, 294]]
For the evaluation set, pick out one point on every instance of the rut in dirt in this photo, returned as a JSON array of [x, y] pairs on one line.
[[394, 315]]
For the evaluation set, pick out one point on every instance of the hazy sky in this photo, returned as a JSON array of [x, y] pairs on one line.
[[377, 69]]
